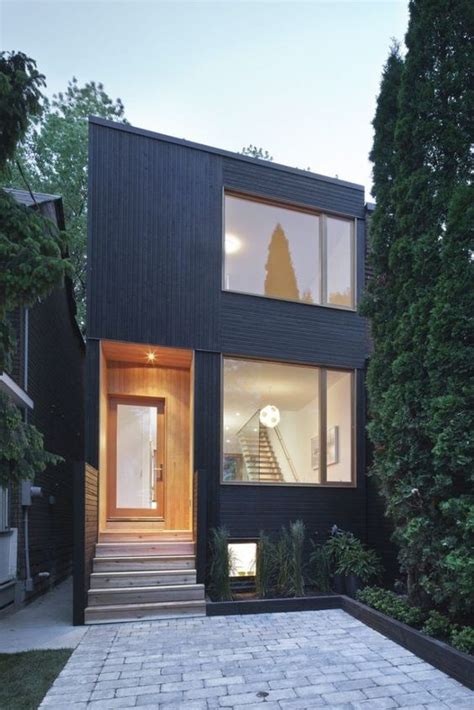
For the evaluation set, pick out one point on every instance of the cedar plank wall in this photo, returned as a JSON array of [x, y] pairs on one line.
[[91, 520], [155, 259]]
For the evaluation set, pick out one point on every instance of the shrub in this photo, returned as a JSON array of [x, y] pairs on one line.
[[391, 604], [437, 625], [463, 639], [220, 565], [265, 572], [289, 561], [349, 556], [320, 568]]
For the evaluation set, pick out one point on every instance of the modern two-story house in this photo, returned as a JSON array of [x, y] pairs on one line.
[[225, 364]]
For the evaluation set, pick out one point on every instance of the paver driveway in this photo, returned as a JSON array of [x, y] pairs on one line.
[[296, 660]]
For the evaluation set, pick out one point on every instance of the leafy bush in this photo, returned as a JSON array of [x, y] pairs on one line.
[[349, 556], [463, 639], [265, 572], [393, 605], [437, 625], [220, 565]]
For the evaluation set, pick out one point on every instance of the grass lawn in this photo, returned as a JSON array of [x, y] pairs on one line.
[[26, 677]]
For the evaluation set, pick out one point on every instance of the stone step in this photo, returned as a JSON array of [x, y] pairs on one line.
[[145, 563], [148, 578], [138, 612], [143, 549], [146, 595]]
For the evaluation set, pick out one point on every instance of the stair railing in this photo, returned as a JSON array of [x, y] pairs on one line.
[[252, 429]]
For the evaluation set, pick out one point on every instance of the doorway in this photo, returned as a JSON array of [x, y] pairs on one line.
[[137, 458]]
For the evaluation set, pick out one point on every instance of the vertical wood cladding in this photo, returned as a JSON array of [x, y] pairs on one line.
[[55, 383]]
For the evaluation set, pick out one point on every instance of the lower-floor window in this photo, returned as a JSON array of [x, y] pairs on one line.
[[287, 424]]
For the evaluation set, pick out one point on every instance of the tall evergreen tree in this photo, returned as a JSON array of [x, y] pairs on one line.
[[421, 158], [280, 280]]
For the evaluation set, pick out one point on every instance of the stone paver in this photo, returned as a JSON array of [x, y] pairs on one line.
[[287, 661]]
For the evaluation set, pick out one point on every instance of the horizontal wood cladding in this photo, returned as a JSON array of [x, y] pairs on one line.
[[91, 519], [260, 179], [245, 510], [256, 326], [154, 241]]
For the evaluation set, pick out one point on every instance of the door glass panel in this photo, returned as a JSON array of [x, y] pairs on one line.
[[136, 455]]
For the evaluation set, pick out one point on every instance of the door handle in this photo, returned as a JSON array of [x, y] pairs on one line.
[[159, 472]]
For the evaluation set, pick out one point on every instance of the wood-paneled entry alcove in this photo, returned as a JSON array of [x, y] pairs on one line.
[[141, 375]]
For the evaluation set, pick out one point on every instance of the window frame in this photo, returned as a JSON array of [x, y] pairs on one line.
[[305, 209], [323, 369]]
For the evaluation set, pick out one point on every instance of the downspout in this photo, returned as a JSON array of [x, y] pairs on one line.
[[29, 586]]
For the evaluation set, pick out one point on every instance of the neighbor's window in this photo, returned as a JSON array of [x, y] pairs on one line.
[[275, 417], [279, 252]]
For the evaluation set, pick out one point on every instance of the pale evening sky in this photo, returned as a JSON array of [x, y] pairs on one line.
[[297, 78]]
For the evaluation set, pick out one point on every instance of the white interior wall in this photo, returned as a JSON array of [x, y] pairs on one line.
[[339, 414]]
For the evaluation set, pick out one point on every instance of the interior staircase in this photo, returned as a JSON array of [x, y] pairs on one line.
[[143, 576], [260, 460]]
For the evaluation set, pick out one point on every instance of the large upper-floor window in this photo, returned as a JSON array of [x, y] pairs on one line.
[[293, 254], [275, 417]]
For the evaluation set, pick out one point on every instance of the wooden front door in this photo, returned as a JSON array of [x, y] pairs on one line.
[[136, 460]]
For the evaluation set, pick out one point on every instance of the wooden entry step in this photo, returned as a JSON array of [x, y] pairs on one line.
[[144, 548], [143, 612], [143, 564], [127, 579], [145, 536], [148, 578]]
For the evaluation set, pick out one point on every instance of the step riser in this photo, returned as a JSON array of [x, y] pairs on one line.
[[143, 549], [145, 537], [107, 616], [145, 596], [152, 564], [117, 580]]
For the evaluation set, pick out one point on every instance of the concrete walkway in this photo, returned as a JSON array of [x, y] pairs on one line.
[[45, 623], [296, 660]]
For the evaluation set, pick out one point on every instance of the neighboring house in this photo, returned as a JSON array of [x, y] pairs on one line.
[[225, 366], [46, 382]]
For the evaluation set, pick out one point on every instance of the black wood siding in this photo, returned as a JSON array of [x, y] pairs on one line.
[[155, 276]]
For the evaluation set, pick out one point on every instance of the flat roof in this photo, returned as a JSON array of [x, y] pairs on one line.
[[127, 128]]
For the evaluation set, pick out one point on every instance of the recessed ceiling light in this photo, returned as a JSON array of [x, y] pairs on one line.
[[151, 356], [227, 441], [232, 244], [237, 414]]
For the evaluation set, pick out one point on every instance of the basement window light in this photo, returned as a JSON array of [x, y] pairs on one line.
[[243, 559]]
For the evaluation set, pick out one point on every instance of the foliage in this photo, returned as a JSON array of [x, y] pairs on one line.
[[53, 157], [463, 639], [420, 301], [31, 265], [220, 565], [265, 572], [289, 561], [391, 604], [437, 625], [349, 556], [319, 572], [253, 152], [21, 446], [20, 99]]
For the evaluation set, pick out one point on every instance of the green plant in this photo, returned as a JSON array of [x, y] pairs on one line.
[[319, 572], [463, 639], [393, 605], [289, 567], [437, 625], [265, 567], [349, 556], [220, 565]]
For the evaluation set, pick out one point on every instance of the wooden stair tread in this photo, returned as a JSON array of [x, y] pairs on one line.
[[163, 588]]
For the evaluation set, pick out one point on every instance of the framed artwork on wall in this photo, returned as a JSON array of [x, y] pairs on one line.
[[332, 448]]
